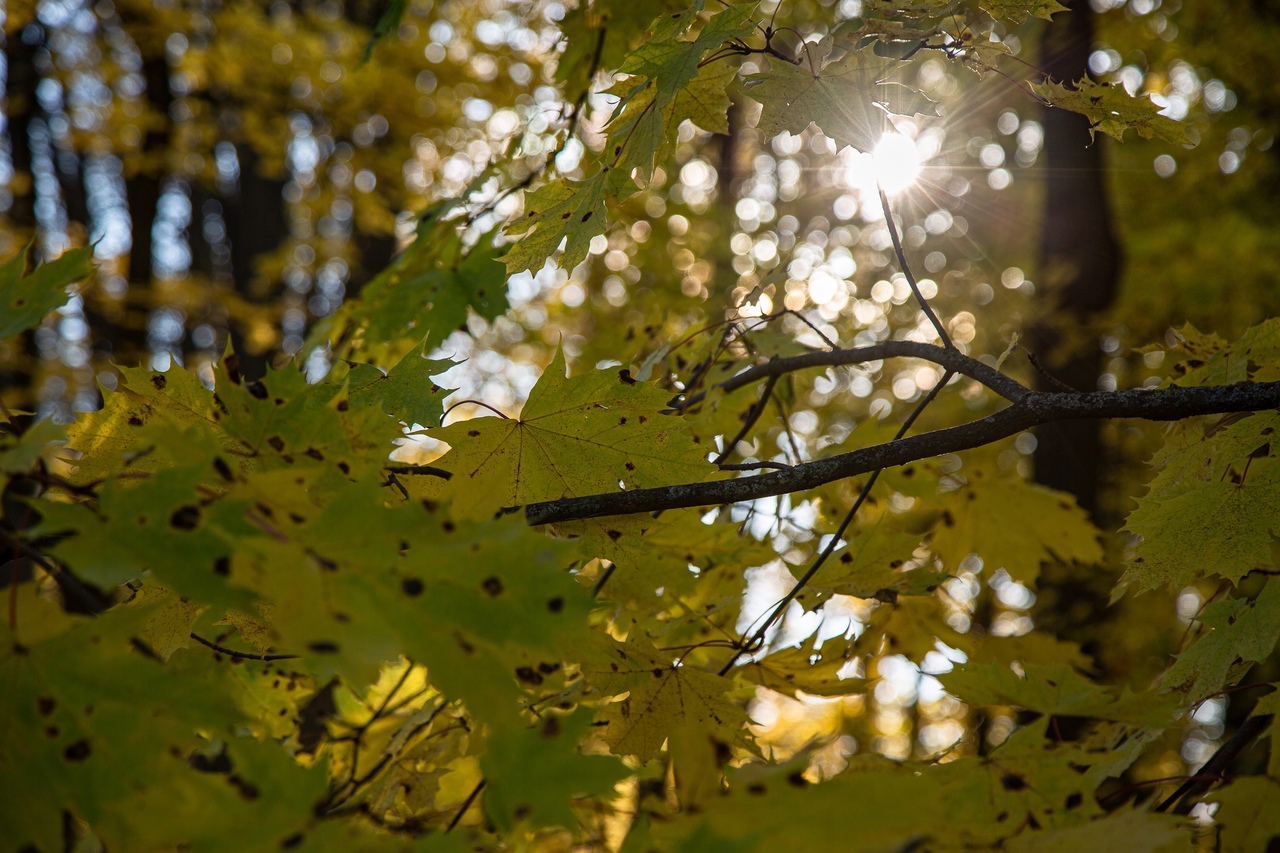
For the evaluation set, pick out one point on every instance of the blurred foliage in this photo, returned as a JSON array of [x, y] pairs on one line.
[[264, 585]]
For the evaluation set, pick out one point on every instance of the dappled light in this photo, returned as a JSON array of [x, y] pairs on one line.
[[572, 424]]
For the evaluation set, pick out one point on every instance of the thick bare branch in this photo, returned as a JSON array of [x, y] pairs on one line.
[[1033, 408]]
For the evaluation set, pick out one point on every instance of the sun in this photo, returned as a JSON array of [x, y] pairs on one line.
[[896, 160]]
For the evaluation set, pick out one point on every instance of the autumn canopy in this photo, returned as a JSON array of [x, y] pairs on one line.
[[639, 426]]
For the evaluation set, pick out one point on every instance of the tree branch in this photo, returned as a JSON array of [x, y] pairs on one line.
[[1033, 408], [953, 359]]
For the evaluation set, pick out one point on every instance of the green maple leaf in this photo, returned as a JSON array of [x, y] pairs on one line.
[[660, 695], [1206, 529], [564, 211], [19, 453], [533, 773], [1014, 525], [849, 99], [600, 35], [1249, 815], [666, 85], [1112, 110], [1035, 647], [1133, 831], [26, 299], [909, 626], [1198, 451], [98, 727], [169, 628], [406, 390], [153, 528], [1017, 11], [430, 288], [869, 566], [1243, 632], [108, 441], [816, 672], [1058, 690], [650, 554], [589, 434]]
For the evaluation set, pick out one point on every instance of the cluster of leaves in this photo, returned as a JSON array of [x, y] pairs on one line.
[[235, 623]]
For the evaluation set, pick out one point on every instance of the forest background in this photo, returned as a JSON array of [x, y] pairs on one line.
[[293, 237]]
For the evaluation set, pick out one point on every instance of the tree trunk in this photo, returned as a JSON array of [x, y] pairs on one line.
[[256, 225], [1079, 263], [17, 376]]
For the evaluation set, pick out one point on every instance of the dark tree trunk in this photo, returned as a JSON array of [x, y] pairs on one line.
[[17, 375], [1079, 263], [374, 250], [125, 335], [256, 225]]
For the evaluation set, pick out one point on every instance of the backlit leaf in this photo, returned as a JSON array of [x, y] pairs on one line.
[[596, 432]]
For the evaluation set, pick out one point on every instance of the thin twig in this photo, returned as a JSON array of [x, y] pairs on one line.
[[757, 638], [753, 415], [239, 655], [1181, 800], [466, 804], [906, 271]]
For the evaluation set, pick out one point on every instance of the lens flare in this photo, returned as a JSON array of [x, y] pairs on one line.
[[897, 162]]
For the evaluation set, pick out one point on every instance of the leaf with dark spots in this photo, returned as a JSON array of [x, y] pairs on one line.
[[412, 587], [492, 586], [159, 381], [77, 752], [323, 647], [528, 675], [247, 790], [1012, 782], [185, 518]]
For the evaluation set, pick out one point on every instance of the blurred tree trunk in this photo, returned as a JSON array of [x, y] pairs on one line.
[[1079, 263], [256, 225], [143, 186], [375, 250], [17, 376]]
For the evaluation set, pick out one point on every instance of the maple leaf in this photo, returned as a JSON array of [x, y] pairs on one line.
[[977, 520], [1017, 11], [105, 441], [1243, 632], [406, 390], [816, 672], [667, 84], [1057, 690], [169, 628], [660, 694], [1207, 528], [589, 434], [534, 772], [1112, 110], [564, 211], [869, 566], [1248, 814], [849, 99], [25, 299], [649, 554], [431, 287]]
